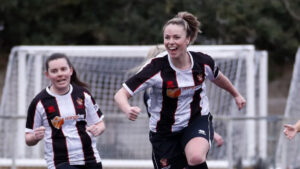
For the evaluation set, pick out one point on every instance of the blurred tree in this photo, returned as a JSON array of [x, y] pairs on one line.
[[269, 25]]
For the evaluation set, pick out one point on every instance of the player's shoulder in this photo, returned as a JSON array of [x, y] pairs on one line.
[[199, 54], [43, 95], [157, 62], [160, 57], [201, 57], [80, 90]]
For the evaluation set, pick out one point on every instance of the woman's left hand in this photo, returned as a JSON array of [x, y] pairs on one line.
[[240, 101], [96, 129]]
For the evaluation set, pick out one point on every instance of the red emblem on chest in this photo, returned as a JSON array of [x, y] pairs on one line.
[[51, 109], [200, 78], [170, 84]]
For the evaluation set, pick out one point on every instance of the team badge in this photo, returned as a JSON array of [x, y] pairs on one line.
[[57, 122], [200, 78], [79, 103], [163, 162], [174, 93], [51, 109]]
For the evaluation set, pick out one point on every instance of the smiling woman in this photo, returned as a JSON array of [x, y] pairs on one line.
[[59, 72], [53, 115], [181, 127]]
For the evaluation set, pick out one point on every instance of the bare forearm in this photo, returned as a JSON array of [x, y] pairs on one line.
[[121, 98], [223, 82]]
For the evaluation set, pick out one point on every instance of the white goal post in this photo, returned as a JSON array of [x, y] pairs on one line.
[[105, 68]]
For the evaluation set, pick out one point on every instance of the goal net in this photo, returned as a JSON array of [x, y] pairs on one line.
[[288, 151], [105, 68]]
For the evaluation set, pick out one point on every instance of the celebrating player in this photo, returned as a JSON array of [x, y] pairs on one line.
[[66, 116], [156, 51], [180, 120]]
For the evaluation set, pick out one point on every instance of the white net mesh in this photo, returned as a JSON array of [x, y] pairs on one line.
[[105, 69], [288, 151]]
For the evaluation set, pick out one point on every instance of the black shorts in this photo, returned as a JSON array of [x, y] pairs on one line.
[[201, 126], [168, 149], [86, 166]]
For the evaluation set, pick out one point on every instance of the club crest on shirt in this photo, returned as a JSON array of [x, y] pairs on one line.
[[174, 93], [163, 163], [200, 78], [57, 122], [80, 104], [51, 109]]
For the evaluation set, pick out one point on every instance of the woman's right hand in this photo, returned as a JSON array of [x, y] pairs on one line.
[[39, 133], [133, 113], [32, 138]]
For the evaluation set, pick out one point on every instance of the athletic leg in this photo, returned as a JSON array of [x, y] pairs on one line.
[[196, 151], [196, 141]]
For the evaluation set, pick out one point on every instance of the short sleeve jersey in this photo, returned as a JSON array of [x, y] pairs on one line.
[[176, 96], [65, 118]]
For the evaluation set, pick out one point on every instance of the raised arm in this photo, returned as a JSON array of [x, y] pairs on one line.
[[223, 82], [121, 98]]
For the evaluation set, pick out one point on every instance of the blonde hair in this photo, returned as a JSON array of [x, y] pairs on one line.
[[153, 51], [189, 22]]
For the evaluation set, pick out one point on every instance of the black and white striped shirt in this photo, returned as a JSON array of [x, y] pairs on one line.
[[65, 118], [176, 96]]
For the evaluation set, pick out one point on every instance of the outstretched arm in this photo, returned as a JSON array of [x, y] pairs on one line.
[[223, 82], [290, 131], [121, 98]]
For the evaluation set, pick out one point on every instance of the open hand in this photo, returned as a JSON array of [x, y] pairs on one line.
[[289, 131]]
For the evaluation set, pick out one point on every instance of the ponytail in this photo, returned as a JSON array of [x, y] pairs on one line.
[[189, 22], [76, 80]]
